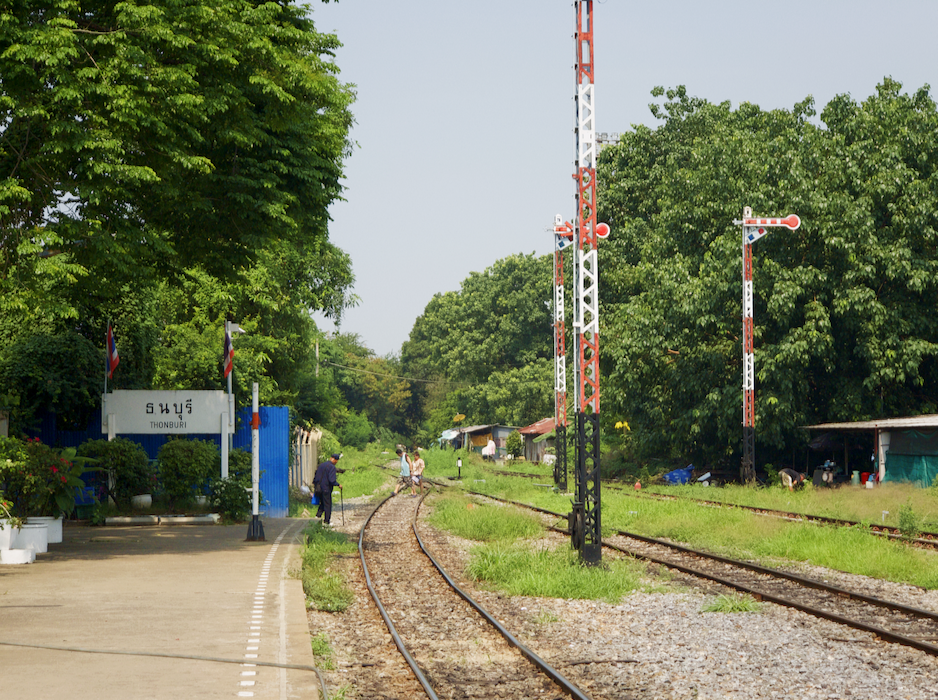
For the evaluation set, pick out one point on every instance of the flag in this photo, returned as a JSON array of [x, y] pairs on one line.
[[112, 357], [228, 357]]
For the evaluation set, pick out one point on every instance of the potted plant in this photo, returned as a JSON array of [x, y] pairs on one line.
[[9, 524], [57, 474]]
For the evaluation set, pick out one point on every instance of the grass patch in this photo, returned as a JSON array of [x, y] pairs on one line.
[[324, 587], [846, 502], [546, 617], [735, 603], [741, 534], [518, 570], [482, 522], [322, 651]]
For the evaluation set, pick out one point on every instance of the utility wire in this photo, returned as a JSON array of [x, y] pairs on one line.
[[393, 376]]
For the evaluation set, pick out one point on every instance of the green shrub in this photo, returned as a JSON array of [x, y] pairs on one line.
[[230, 498], [514, 443], [328, 444], [126, 468], [185, 467]]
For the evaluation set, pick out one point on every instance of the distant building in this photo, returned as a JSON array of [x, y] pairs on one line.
[[537, 438], [476, 437], [905, 449]]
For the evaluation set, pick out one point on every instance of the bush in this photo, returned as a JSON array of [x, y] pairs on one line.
[[186, 466], [127, 466], [328, 444], [355, 430], [231, 498], [514, 443]]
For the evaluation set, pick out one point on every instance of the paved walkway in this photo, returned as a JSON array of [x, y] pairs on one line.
[[160, 596]]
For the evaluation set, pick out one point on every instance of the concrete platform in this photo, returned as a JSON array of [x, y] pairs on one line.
[[182, 612]]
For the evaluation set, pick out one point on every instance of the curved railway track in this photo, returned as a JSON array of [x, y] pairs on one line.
[[888, 620], [924, 539], [455, 648]]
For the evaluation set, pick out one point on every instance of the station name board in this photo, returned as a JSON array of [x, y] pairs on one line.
[[164, 412]]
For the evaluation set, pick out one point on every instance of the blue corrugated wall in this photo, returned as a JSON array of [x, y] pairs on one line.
[[274, 438]]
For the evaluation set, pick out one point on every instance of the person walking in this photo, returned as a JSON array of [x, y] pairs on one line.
[[323, 483], [417, 467], [404, 479]]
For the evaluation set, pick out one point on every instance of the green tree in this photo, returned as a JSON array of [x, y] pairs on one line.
[[143, 137], [844, 327], [489, 345]]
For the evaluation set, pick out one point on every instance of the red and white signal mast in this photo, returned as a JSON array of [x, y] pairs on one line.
[[754, 228], [585, 233]]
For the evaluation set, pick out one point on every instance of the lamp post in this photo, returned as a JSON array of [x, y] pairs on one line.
[[459, 467]]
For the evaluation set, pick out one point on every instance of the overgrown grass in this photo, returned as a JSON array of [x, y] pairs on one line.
[[518, 570], [325, 587], [743, 534], [846, 502], [482, 522], [735, 603]]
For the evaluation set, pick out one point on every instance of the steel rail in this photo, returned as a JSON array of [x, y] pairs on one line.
[[856, 624], [387, 620], [546, 668]]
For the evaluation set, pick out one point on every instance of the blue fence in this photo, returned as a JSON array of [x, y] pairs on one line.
[[273, 434]]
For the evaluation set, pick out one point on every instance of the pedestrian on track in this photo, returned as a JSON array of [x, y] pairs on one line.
[[417, 467], [404, 480]]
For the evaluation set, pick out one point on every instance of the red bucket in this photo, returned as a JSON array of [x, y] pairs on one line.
[[864, 477]]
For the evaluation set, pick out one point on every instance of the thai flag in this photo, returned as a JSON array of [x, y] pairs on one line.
[[228, 358], [112, 357]]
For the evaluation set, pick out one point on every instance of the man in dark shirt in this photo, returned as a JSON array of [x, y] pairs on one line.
[[323, 483], [791, 478]]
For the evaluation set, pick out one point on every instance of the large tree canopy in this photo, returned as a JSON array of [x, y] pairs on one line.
[[146, 136], [167, 164], [844, 306]]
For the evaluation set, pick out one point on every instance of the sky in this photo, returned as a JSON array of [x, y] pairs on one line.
[[465, 114]]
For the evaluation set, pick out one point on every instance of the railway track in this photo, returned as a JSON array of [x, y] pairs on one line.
[[924, 539], [454, 648], [888, 620]]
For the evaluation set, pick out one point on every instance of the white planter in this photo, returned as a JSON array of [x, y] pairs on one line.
[[143, 501], [7, 534], [201, 500], [54, 524], [34, 536], [17, 556]]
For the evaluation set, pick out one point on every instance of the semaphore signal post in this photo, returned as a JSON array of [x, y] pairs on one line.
[[754, 228]]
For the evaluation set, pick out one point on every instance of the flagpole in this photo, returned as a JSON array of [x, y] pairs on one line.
[[107, 354]]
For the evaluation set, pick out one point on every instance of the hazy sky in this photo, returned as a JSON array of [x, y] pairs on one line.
[[465, 113]]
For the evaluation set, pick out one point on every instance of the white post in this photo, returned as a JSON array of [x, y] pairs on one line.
[[256, 527], [224, 445], [255, 452]]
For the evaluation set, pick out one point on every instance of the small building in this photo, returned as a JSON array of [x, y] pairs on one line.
[[537, 438], [477, 437], [905, 449]]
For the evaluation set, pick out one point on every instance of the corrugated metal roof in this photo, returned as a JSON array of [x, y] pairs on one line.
[[474, 428], [545, 425], [927, 421]]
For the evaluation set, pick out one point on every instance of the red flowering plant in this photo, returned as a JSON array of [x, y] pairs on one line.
[[54, 476]]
